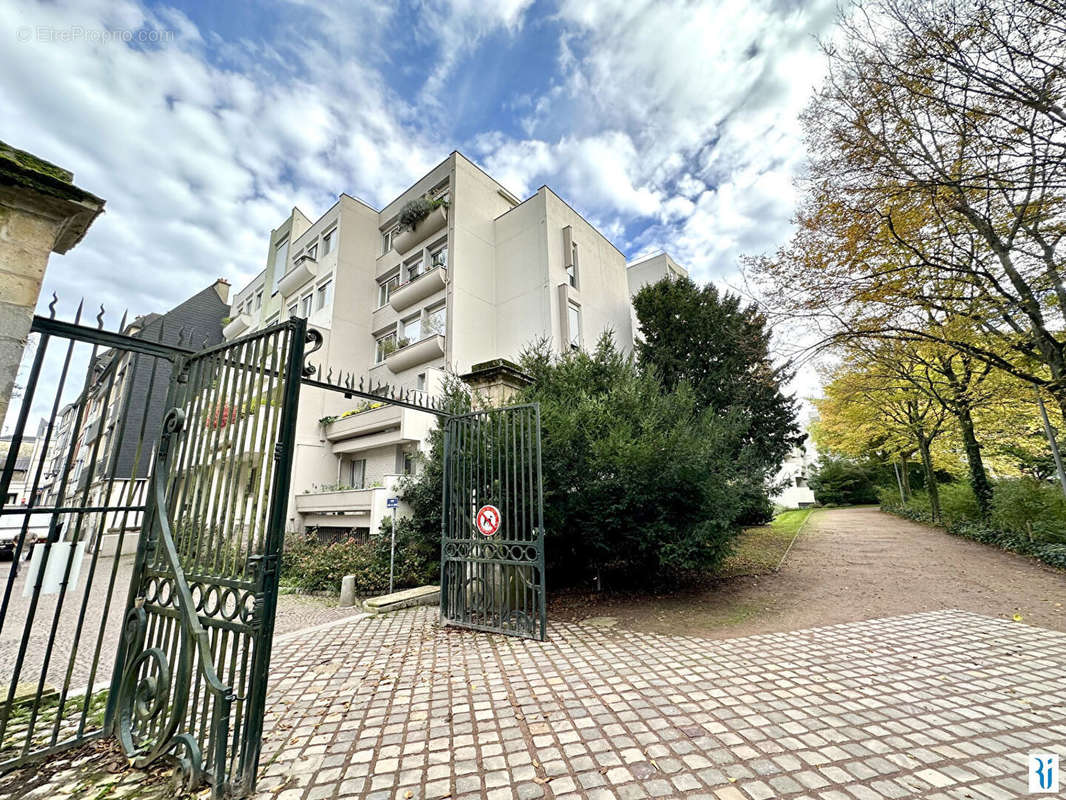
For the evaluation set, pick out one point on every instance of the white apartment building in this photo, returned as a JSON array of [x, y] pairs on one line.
[[479, 278]]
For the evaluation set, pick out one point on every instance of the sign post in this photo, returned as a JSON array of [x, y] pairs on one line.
[[393, 503]]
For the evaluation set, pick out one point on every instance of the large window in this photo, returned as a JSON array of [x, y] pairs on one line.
[[328, 241], [386, 242], [294, 310], [385, 345], [324, 295], [411, 329], [573, 320], [435, 320], [439, 257], [571, 269], [305, 306], [413, 268], [281, 262], [259, 300], [357, 473], [385, 289]]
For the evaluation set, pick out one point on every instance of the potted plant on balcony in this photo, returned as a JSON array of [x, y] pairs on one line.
[[419, 218]]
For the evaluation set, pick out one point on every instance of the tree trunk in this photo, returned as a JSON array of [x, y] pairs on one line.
[[930, 478], [982, 488], [906, 465]]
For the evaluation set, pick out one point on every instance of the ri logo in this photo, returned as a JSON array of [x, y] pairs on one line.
[[1043, 773]]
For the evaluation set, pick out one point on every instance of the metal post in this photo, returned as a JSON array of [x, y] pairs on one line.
[[1054, 445], [899, 481], [392, 550]]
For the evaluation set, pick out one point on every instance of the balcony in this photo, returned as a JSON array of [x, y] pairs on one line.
[[364, 422], [436, 220], [349, 501], [407, 294], [377, 427], [237, 326], [428, 349], [297, 276]]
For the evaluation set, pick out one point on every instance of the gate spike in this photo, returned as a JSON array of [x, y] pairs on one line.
[[181, 335], [52, 306], [360, 383], [100, 318], [122, 322], [77, 314], [329, 377]]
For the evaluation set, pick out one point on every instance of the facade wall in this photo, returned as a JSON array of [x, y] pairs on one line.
[[504, 285]]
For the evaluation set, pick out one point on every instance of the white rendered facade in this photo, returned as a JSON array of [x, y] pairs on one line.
[[481, 278]]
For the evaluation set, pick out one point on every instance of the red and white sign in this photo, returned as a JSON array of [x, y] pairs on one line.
[[488, 520]]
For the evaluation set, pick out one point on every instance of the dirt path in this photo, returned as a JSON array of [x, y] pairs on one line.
[[849, 565]]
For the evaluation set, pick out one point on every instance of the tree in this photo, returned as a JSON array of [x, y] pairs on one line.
[[870, 405], [842, 482], [694, 335], [936, 197]]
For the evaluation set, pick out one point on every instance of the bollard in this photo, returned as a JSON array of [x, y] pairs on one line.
[[347, 591]]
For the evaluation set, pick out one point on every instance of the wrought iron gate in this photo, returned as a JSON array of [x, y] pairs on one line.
[[191, 680], [492, 560], [187, 454]]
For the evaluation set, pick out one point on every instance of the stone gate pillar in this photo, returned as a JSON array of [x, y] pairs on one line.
[[495, 382], [41, 212]]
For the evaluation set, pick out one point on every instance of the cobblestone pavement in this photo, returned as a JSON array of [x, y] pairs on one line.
[[295, 612], [935, 705]]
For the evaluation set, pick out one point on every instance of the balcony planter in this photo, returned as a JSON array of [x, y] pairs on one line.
[[297, 276], [436, 220], [236, 326], [364, 422], [420, 288], [345, 500], [428, 349]]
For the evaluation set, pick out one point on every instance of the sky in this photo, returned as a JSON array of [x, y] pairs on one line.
[[670, 125]]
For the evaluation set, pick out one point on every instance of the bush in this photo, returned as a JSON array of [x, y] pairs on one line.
[[1030, 508], [841, 482], [312, 565], [1028, 516], [639, 484]]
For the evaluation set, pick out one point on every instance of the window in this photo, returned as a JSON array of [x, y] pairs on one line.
[[357, 473], [414, 268], [420, 385], [305, 306], [573, 324], [439, 257], [435, 320], [328, 240], [281, 261], [385, 289], [324, 295], [411, 329], [385, 345], [259, 300], [386, 242], [293, 309], [312, 251], [571, 269], [407, 463]]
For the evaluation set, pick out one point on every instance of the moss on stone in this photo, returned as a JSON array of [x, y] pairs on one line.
[[29, 161]]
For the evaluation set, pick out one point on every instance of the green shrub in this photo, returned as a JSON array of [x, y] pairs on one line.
[[841, 482], [1030, 508], [312, 565]]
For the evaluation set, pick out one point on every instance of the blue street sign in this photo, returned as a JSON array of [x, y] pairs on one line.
[[392, 502]]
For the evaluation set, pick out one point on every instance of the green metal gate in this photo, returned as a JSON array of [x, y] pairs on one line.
[[492, 560], [191, 673]]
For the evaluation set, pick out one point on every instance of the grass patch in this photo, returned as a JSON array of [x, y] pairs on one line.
[[759, 550]]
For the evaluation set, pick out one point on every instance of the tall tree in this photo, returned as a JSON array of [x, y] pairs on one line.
[[721, 348], [937, 189]]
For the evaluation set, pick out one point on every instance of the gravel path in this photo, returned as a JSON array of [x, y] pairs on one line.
[[848, 565]]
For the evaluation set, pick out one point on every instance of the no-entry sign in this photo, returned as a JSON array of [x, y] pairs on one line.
[[488, 520]]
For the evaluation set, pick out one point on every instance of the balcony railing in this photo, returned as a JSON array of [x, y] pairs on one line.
[[437, 219], [236, 326], [301, 273], [428, 349], [421, 287]]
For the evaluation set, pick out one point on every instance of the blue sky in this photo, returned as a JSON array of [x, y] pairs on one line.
[[671, 125]]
